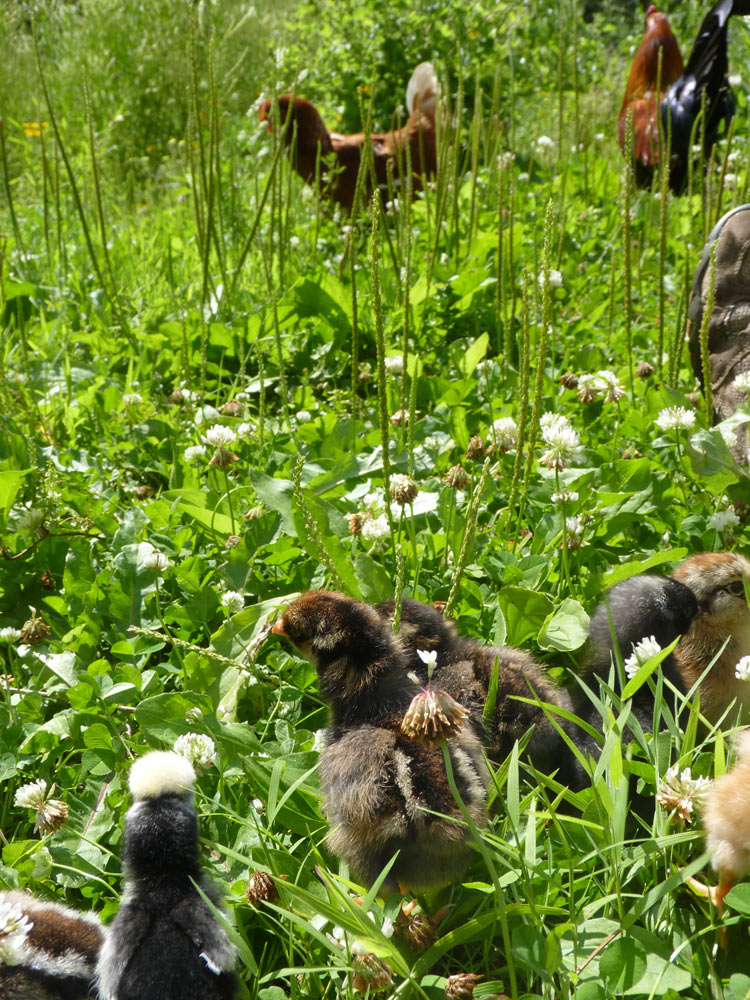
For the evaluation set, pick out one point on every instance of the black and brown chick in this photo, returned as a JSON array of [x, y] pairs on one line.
[[165, 942], [47, 951], [384, 792], [464, 669], [718, 581], [638, 608]]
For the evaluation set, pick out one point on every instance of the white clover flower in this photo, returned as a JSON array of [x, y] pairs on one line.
[[156, 561], [50, 813], [564, 496], [10, 634], [523, 177], [303, 416], [232, 601], [194, 452], [29, 520], [742, 382], [188, 396], [643, 651], [555, 278], [376, 529], [574, 525], [742, 670], [444, 259], [320, 740], [544, 142], [200, 750], [219, 436], [735, 80], [609, 386], [257, 805], [14, 929], [32, 795], [550, 419], [132, 399], [673, 418], [723, 519], [403, 488], [728, 435], [193, 714], [730, 181], [599, 136], [563, 443], [681, 791], [394, 365], [245, 430], [294, 242], [429, 658], [506, 433]]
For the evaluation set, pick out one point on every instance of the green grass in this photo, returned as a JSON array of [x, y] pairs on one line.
[[158, 246]]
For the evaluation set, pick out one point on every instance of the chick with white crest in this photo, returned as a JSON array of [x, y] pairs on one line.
[[47, 951], [165, 942]]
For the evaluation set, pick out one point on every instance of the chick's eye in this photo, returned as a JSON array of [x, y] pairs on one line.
[[737, 587]]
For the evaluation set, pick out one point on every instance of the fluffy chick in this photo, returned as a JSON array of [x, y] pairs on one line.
[[636, 609], [47, 951], [464, 669], [717, 580], [382, 790], [164, 943], [726, 817]]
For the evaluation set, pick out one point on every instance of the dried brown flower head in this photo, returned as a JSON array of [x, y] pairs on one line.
[[433, 715], [253, 514], [231, 541], [261, 888], [587, 393], [419, 930], [371, 974], [569, 380], [457, 477], [644, 370], [476, 449], [48, 581], [223, 457], [461, 985], [232, 408], [35, 630], [356, 521], [399, 418], [143, 492], [403, 488]]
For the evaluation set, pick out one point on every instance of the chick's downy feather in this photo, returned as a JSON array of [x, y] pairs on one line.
[[465, 668], [726, 817], [165, 943], [718, 581], [383, 792], [54, 956]]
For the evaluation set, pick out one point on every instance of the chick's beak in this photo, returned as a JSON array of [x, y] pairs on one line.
[[278, 627]]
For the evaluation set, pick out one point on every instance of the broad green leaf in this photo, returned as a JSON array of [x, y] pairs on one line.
[[525, 612], [567, 628]]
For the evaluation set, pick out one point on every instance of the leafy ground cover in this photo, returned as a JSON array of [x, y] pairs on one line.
[[165, 274]]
